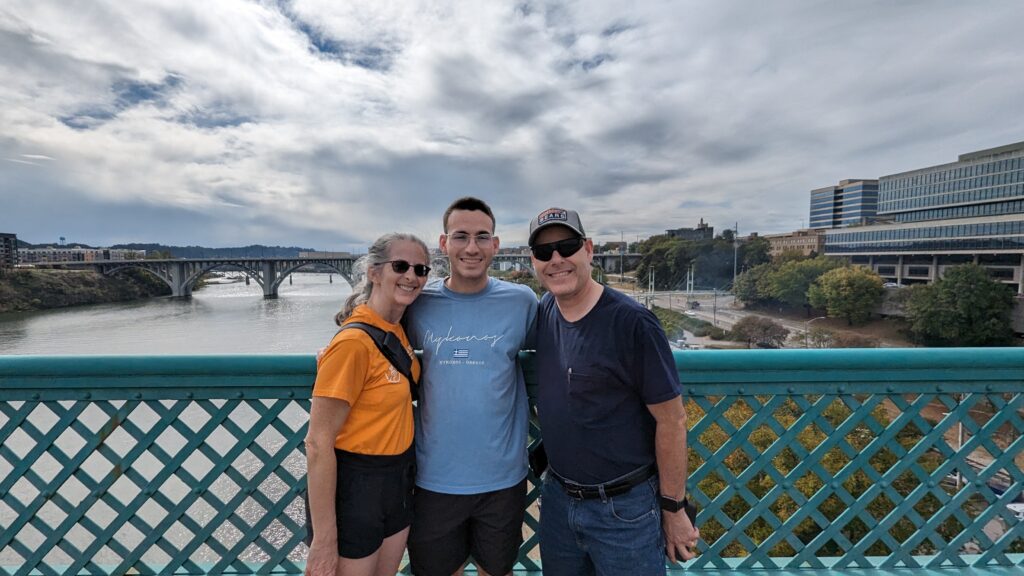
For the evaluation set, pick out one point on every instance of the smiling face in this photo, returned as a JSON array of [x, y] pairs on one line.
[[565, 278], [468, 257], [392, 290]]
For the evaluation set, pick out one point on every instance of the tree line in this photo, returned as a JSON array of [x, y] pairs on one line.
[[670, 260], [966, 307]]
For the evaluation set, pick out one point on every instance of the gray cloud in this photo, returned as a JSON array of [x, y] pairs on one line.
[[325, 124]]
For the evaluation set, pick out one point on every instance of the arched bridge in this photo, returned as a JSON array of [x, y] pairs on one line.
[[182, 274]]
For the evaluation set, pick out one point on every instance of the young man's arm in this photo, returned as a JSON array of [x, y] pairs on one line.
[[671, 454]]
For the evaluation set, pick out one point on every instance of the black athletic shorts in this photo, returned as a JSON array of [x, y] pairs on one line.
[[373, 500], [449, 528]]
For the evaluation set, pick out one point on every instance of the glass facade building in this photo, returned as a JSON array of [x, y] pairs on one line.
[[971, 210], [8, 250], [852, 202]]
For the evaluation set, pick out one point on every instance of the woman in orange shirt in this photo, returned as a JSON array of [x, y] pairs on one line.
[[360, 444]]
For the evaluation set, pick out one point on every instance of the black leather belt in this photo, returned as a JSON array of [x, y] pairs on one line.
[[620, 486]]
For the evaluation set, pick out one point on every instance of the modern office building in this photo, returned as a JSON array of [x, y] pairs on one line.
[[971, 210], [8, 250], [808, 242], [851, 203], [701, 232]]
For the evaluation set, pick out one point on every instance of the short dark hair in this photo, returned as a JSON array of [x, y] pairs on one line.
[[468, 203]]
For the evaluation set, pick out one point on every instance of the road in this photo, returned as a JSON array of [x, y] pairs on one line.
[[721, 309]]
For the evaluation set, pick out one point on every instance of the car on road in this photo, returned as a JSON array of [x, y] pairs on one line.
[[690, 313], [1017, 509]]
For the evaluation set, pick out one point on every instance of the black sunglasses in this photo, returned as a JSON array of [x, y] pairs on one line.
[[565, 248], [401, 267]]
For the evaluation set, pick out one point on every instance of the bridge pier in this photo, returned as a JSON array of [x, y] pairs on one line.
[[269, 273], [179, 275]]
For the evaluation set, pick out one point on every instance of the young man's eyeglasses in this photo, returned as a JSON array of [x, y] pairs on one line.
[[461, 239], [401, 267], [565, 248]]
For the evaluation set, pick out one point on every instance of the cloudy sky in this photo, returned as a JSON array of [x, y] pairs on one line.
[[324, 124]]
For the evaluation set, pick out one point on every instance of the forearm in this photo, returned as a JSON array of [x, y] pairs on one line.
[[322, 478], [671, 453]]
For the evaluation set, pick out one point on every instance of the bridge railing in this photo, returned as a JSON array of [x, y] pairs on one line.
[[867, 459]]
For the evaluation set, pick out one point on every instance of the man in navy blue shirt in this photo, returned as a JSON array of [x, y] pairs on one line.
[[613, 419]]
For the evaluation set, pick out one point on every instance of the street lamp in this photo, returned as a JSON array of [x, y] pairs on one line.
[[807, 328]]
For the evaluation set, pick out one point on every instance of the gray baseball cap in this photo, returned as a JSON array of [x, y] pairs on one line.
[[556, 217]]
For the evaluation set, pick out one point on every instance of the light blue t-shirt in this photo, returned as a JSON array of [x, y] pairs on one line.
[[472, 423]]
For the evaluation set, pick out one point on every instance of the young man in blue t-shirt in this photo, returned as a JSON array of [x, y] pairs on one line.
[[613, 420], [472, 425]]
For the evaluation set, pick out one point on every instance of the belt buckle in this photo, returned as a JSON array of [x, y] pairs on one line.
[[574, 491]]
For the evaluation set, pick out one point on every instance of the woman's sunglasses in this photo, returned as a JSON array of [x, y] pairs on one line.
[[401, 267], [565, 248]]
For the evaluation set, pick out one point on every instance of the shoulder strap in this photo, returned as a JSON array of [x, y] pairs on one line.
[[392, 349]]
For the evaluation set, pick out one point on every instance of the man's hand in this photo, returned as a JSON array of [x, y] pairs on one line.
[[680, 536], [322, 561]]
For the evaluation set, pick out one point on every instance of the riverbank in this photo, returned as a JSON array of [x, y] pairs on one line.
[[30, 290]]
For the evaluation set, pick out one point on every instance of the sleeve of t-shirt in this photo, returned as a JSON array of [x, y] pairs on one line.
[[659, 380], [342, 370]]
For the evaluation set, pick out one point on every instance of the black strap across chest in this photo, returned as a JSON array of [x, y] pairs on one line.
[[392, 348]]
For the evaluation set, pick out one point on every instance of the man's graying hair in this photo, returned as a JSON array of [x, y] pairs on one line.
[[378, 254]]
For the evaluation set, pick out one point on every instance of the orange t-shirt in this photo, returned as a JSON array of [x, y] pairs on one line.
[[353, 369]]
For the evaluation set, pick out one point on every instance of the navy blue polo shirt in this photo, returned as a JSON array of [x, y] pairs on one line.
[[595, 378]]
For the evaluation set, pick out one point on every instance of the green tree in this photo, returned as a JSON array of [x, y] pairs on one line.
[[525, 277], [764, 332], [750, 285], [755, 252], [850, 292], [668, 258], [964, 308], [790, 282], [789, 256], [159, 255]]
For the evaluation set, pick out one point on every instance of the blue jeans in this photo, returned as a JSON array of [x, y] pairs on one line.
[[601, 537]]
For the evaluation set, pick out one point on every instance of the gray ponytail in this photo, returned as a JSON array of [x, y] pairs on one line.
[[379, 253]]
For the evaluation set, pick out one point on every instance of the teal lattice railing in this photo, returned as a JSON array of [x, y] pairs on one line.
[[800, 460]]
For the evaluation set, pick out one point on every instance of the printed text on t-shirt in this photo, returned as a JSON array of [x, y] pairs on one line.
[[437, 341]]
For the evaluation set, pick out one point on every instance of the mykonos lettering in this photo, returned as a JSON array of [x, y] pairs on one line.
[[437, 341]]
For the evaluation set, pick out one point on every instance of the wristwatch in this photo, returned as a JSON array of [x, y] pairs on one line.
[[670, 505]]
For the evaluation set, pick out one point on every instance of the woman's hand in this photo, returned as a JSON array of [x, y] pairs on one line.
[[323, 560]]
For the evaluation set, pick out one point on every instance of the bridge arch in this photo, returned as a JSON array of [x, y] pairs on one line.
[[158, 271], [346, 274], [191, 279]]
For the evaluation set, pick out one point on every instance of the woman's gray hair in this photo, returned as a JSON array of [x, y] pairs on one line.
[[378, 254]]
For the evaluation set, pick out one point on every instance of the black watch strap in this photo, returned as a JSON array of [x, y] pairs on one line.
[[669, 505]]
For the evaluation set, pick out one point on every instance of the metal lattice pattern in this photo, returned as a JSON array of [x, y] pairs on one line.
[[190, 486], [799, 460], [838, 481]]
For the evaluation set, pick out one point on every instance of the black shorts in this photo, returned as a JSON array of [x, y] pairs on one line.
[[373, 500], [449, 528]]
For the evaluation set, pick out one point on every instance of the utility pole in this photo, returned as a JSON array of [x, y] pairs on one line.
[[735, 253], [714, 309], [650, 288], [622, 257]]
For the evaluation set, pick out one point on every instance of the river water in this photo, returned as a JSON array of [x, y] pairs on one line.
[[219, 319]]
